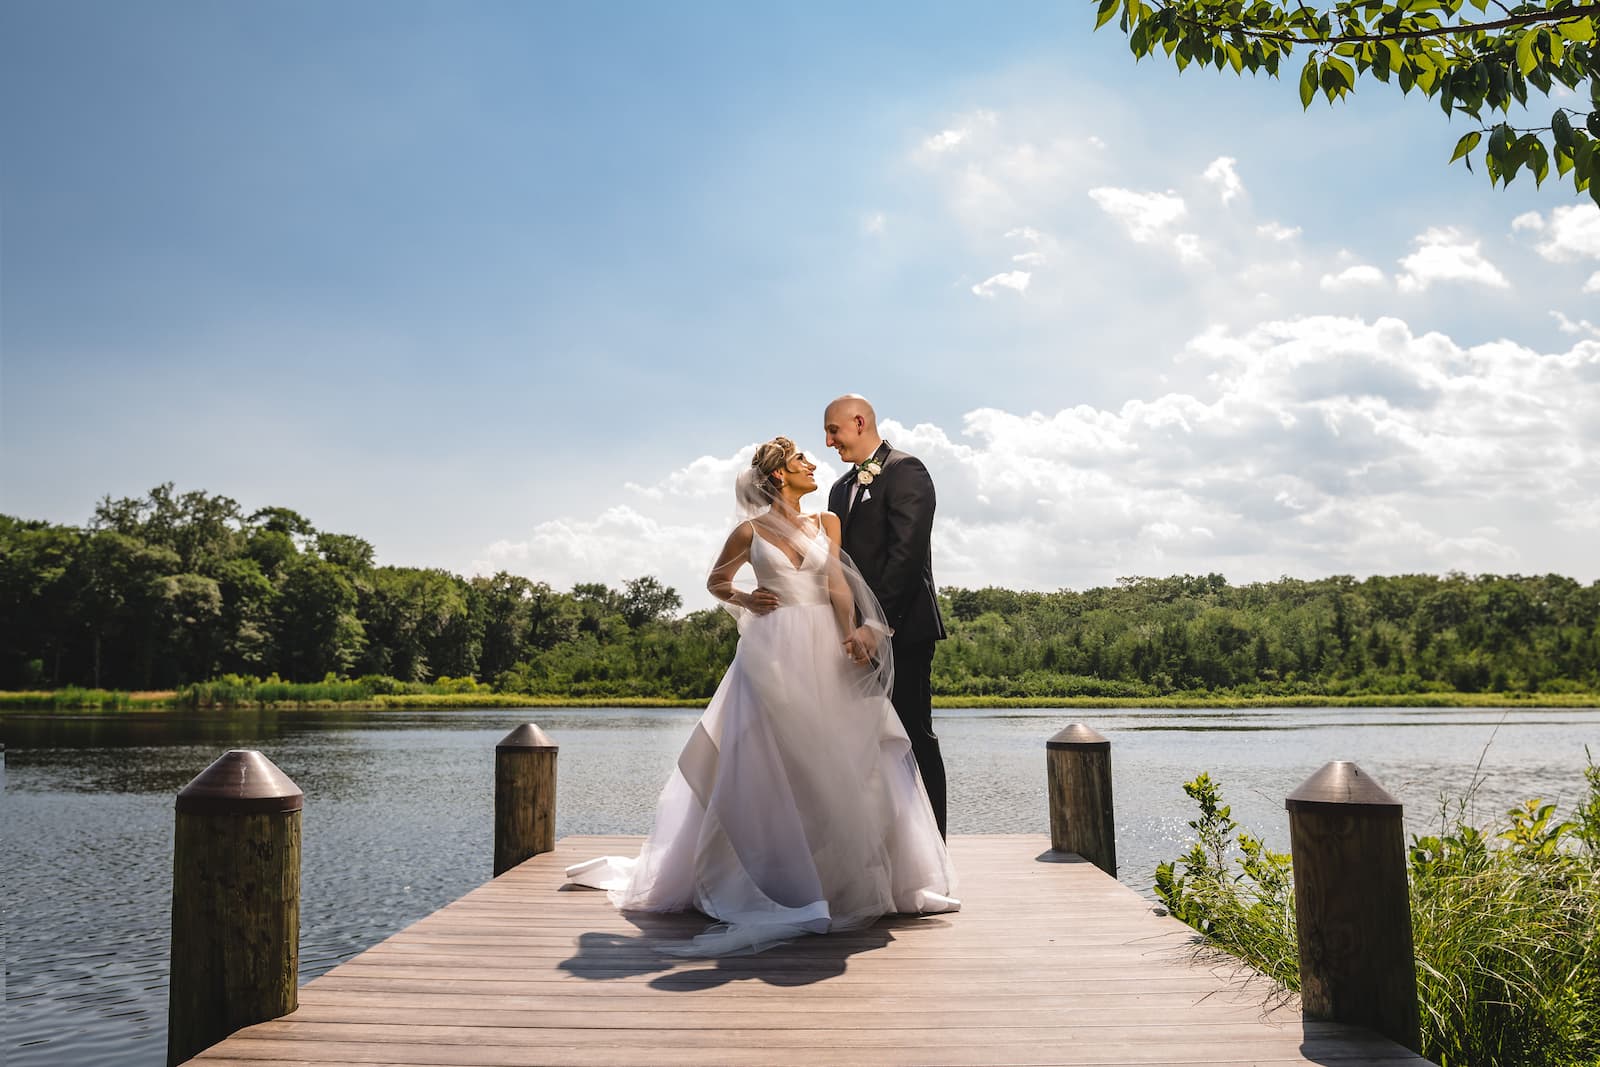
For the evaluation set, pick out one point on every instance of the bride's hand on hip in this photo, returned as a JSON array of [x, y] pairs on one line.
[[761, 601]]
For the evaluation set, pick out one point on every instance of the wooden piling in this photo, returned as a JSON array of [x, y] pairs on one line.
[[235, 902], [1081, 815], [1353, 912], [524, 796]]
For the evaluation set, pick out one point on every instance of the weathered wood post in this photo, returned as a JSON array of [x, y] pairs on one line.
[[1352, 907], [524, 796], [1081, 817], [235, 902]]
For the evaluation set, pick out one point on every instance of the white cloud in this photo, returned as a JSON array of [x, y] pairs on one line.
[[1016, 280], [1444, 254], [1276, 231], [1145, 215], [621, 543], [1148, 218], [1352, 277], [1225, 177], [995, 172], [1314, 446], [1572, 232], [875, 224], [706, 477], [1593, 284], [961, 133], [1580, 327], [1187, 245]]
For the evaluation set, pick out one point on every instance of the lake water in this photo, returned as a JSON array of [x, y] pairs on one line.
[[399, 816]]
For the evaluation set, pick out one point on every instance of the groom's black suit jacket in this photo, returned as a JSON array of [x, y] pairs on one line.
[[887, 534]]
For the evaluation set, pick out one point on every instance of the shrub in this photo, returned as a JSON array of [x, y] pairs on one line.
[[1505, 923]]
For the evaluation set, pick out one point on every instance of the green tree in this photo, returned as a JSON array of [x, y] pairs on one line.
[[1479, 64], [646, 600], [318, 631], [38, 600]]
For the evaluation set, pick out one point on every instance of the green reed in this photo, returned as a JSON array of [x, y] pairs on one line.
[[76, 699], [1505, 922]]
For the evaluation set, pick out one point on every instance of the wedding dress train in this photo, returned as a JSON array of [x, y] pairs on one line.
[[795, 806]]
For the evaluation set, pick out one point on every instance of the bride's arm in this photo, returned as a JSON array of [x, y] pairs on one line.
[[734, 555], [844, 603], [860, 641]]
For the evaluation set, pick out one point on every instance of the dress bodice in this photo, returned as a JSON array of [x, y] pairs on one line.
[[794, 586]]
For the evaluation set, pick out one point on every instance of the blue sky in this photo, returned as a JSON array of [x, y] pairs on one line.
[[520, 285]]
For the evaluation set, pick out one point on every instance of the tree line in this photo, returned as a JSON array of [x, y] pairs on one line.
[[169, 589]]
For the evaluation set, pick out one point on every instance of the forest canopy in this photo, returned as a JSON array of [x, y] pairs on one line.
[[171, 589]]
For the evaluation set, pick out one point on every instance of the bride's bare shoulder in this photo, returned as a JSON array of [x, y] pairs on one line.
[[830, 524]]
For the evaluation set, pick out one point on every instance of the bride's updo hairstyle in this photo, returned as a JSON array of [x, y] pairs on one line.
[[761, 488]]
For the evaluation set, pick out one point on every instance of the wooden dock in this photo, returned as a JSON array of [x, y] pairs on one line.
[[1051, 961]]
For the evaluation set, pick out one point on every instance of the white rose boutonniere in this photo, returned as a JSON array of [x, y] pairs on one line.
[[867, 471]]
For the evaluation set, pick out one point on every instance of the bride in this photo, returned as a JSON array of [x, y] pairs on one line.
[[796, 806]]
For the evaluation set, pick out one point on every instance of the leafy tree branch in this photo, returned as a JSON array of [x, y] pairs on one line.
[[1477, 68]]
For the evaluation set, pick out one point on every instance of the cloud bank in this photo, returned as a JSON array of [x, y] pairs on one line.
[[1323, 445]]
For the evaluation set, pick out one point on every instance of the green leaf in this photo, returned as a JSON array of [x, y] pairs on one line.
[[1308, 82], [1581, 31], [1467, 143], [1108, 10], [1526, 60], [1561, 127], [1539, 159]]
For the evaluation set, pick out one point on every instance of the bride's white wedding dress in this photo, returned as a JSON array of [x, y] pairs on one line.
[[796, 806]]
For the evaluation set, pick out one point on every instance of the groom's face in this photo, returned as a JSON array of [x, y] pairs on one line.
[[846, 434]]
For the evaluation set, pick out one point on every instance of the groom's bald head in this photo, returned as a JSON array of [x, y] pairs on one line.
[[851, 427], [848, 407]]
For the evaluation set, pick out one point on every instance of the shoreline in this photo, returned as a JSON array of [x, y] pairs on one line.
[[135, 703]]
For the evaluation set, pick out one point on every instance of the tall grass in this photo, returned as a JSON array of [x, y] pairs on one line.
[[76, 699], [372, 690], [1505, 922], [236, 692]]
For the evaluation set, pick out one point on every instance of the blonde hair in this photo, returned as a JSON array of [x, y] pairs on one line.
[[769, 457]]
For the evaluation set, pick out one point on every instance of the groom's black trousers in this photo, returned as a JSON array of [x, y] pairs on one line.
[[913, 700]]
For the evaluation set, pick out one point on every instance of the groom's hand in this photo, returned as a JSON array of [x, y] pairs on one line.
[[762, 601], [860, 645]]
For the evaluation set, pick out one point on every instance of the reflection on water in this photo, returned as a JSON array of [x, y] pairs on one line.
[[399, 816]]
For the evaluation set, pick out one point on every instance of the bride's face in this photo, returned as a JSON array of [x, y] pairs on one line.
[[800, 473]]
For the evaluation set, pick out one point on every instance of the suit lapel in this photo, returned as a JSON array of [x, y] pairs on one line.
[[882, 456]]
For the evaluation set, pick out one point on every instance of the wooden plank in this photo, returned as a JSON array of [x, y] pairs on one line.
[[1050, 961]]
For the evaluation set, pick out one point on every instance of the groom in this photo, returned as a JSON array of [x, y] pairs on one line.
[[885, 505]]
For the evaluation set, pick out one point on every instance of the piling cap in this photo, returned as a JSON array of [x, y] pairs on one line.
[[1077, 737], [1346, 785], [527, 736], [241, 782]]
